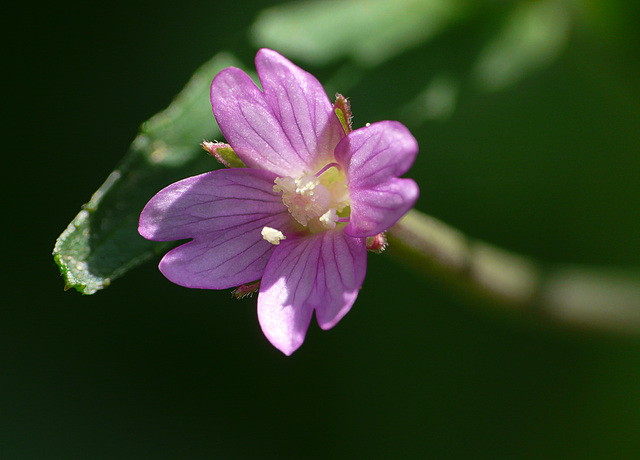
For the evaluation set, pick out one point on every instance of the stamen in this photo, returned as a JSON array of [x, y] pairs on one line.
[[272, 235]]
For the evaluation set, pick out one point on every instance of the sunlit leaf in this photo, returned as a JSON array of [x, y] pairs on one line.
[[102, 242]]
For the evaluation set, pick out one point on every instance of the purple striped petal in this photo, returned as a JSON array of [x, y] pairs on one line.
[[302, 107], [224, 212], [323, 271], [210, 202], [376, 209], [376, 153], [373, 157], [289, 129], [222, 260], [249, 125]]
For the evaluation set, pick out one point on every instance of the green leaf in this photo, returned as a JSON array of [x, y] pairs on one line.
[[102, 242]]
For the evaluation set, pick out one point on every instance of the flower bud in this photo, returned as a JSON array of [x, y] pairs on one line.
[[246, 290], [377, 243]]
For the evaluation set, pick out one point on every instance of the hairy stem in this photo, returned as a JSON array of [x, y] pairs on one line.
[[576, 295]]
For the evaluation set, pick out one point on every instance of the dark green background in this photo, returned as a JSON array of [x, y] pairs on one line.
[[146, 369]]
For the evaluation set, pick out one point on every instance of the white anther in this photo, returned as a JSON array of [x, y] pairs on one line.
[[272, 235]]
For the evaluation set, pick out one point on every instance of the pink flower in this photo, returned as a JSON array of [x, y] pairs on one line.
[[298, 216]]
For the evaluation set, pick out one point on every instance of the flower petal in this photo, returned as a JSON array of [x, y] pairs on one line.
[[249, 125], [222, 260], [210, 202], [323, 271], [376, 209], [224, 212], [373, 157], [302, 107], [377, 152]]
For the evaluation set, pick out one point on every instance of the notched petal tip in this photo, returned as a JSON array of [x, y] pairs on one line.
[[219, 264], [321, 272], [302, 108], [249, 123]]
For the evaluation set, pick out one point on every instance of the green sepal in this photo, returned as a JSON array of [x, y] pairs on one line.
[[224, 154], [342, 108]]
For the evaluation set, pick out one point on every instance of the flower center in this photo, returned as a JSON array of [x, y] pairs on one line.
[[316, 201]]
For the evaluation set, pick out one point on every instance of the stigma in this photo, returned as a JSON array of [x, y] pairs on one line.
[[316, 200]]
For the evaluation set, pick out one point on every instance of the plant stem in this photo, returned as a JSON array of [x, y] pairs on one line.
[[595, 297]]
